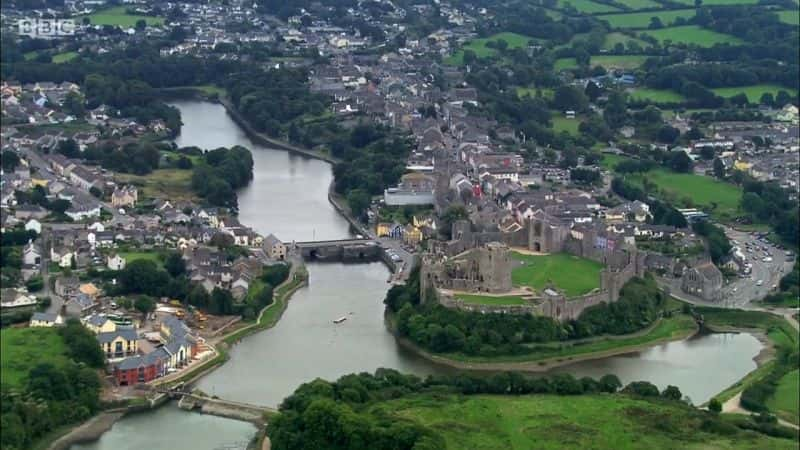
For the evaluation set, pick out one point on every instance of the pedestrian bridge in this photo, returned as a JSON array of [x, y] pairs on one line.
[[348, 250], [226, 408]]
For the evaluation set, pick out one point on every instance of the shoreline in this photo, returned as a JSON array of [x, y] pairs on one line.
[[532, 366]]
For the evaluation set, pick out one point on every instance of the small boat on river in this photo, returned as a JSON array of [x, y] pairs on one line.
[[340, 319]]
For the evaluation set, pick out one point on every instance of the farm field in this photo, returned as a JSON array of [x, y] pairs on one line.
[[586, 6], [565, 63], [478, 46], [561, 123], [612, 39], [657, 95], [575, 276], [701, 190], [23, 348], [786, 400], [719, 2], [490, 300], [118, 16], [790, 17], [642, 20], [618, 61], [640, 4], [692, 35], [597, 421], [753, 92]]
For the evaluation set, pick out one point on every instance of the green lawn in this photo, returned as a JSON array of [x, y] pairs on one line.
[[642, 19], [64, 57], [561, 123], [565, 63], [610, 161], [133, 256], [547, 93], [478, 46], [575, 276], [692, 35], [790, 17], [657, 95], [786, 401], [753, 92], [702, 190], [545, 422], [618, 61], [489, 300], [612, 39], [587, 6], [23, 348], [117, 16]]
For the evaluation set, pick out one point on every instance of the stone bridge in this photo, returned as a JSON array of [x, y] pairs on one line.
[[347, 250], [226, 408]]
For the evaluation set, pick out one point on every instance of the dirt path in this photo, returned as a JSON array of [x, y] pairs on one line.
[[734, 406]]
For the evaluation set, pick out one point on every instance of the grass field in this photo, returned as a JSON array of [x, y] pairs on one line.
[[544, 422], [565, 63], [575, 276], [610, 161], [586, 6], [719, 2], [753, 92], [23, 348], [547, 93], [117, 16], [64, 57], [692, 35], [790, 17], [657, 95], [618, 61], [640, 4], [786, 401], [173, 184], [612, 39], [489, 300], [133, 256], [703, 191], [642, 20], [561, 123], [478, 46]]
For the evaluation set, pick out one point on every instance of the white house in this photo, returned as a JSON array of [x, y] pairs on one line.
[[31, 255], [34, 225], [40, 319], [115, 262]]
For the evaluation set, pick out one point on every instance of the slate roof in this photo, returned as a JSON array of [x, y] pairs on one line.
[[129, 334]]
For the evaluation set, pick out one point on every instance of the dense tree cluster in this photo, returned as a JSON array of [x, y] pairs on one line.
[[767, 202], [139, 158], [718, 244], [445, 330], [224, 171]]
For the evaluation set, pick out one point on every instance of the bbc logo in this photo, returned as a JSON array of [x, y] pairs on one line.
[[46, 27]]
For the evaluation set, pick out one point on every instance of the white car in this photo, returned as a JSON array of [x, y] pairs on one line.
[[759, 282]]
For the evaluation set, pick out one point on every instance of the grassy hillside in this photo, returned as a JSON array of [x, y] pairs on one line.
[[595, 421], [23, 348]]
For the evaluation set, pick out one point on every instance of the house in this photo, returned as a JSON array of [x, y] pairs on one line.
[[412, 235], [274, 248], [40, 319], [66, 286], [79, 305], [141, 368], [99, 323], [115, 262], [124, 196], [34, 225], [13, 298], [89, 289], [31, 256], [81, 177], [382, 229], [119, 343]]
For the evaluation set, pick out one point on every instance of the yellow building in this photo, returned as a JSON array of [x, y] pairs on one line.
[[383, 229], [744, 166], [99, 324], [412, 235], [119, 343], [43, 182]]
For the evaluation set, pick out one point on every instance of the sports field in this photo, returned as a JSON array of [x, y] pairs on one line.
[[118, 16], [692, 35], [786, 400], [23, 348], [754, 92], [657, 95], [618, 61], [490, 300], [642, 19], [561, 123], [587, 6], [573, 275], [478, 46], [545, 422]]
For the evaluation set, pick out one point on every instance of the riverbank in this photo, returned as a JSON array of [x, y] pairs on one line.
[[663, 331]]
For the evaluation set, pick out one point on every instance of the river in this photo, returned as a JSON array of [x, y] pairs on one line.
[[288, 197]]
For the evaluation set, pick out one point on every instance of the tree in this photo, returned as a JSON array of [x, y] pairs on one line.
[[141, 24], [782, 99], [592, 91], [10, 160], [767, 99], [668, 134], [453, 214], [69, 148], [174, 264], [469, 57], [359, 201], [610, 383], [707, 153], [672, 393], [144, 304], [641, 388], [655, 23], [570, 98], [143, 276], [74, 104], [715, 406], [198, 296], [679, 161]]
